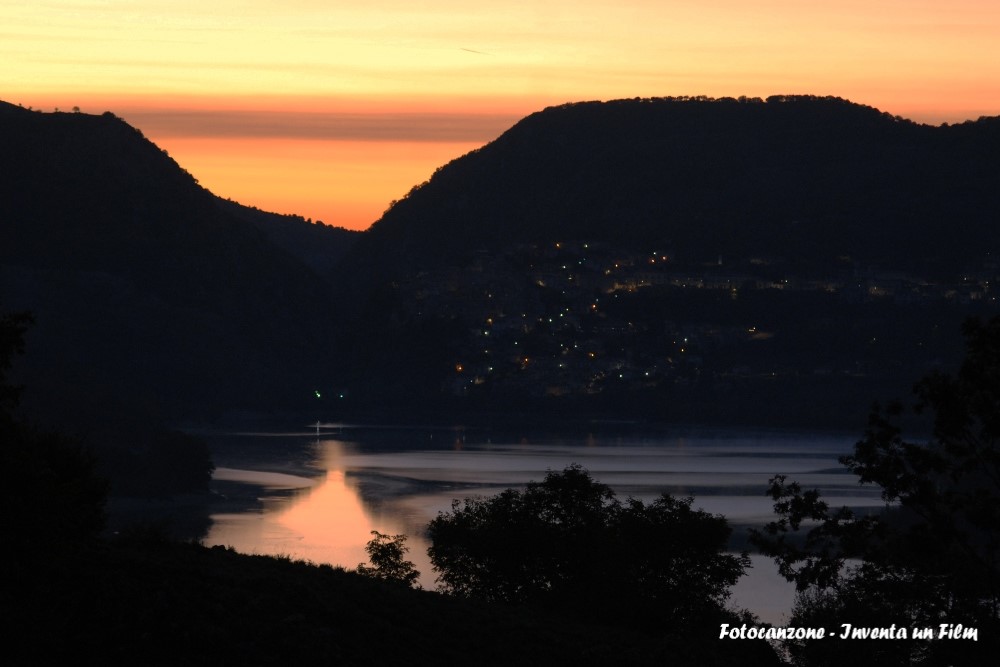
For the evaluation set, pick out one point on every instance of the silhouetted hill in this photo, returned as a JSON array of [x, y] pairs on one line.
[[318, 246], [778, 262], [803, 178], [149, 292]]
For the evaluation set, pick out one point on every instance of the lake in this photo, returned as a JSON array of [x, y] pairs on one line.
[[317, 493]]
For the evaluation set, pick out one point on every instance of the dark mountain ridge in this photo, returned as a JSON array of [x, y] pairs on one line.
[[800, 177], [153, 295], [743, 261], [317, 245], [148, 291]]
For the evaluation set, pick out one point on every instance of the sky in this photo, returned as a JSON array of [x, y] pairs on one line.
[[332, 109]]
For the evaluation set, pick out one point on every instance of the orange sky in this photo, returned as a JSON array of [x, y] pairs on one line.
[[332, 109]]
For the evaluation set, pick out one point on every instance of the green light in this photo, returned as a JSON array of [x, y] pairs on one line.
[[316, 391]]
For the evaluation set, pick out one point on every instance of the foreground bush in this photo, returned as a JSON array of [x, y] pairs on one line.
[[569, 543]]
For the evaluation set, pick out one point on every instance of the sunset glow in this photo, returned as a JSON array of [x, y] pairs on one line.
[[332, 109], [335, 180]]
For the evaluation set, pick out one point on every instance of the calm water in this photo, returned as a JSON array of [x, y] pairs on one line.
[[317, 497]]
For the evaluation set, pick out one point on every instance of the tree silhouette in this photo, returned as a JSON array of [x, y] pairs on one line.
[[50, 493], [934, 555], [568, 543], [387, 554], [12, 329]]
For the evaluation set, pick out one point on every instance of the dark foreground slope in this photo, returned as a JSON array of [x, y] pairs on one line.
[[175, 604], [149, 294]]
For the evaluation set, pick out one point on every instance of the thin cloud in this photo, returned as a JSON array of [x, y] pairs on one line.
[[432, 127]]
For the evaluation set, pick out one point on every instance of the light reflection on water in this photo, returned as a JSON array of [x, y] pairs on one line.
[[319, 498]]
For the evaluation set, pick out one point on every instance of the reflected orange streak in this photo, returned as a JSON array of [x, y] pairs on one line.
[[331, 521], [324, 523]]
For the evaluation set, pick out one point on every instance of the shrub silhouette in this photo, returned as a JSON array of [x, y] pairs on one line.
[[570, 544], [387, 554]]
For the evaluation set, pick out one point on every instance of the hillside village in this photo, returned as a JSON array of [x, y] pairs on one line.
[[586, 318]]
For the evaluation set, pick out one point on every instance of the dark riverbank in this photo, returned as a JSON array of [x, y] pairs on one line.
[[148, 602]]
